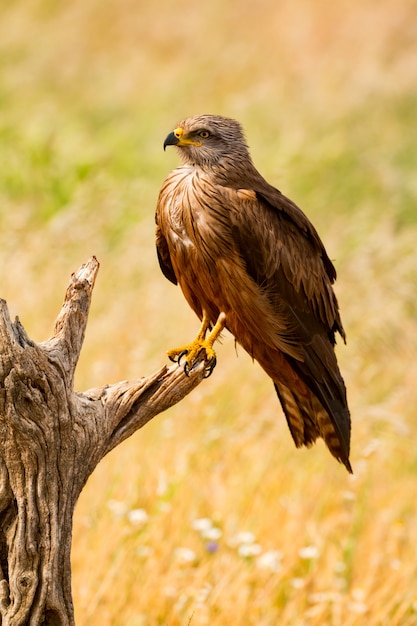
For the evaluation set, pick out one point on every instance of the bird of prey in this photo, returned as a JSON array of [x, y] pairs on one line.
[[248, 259]]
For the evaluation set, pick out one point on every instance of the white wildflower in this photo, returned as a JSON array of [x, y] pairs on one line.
[[185, 555], [117, 507], [249, 549], [202, 524], [212, 534], [137, 517], [270, 560], [308, 552], [245, 537]]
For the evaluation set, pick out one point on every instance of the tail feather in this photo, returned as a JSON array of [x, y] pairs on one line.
[[303, 429], [308, 420]]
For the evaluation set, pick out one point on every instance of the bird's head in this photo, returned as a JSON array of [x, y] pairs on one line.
[[205, 140]]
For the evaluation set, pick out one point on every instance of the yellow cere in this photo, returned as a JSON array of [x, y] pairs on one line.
[[183, 140]]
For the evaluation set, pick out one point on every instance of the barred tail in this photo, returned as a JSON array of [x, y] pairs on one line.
[[308, 420]]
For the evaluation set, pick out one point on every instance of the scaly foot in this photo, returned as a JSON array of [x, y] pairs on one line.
[[201, 345]]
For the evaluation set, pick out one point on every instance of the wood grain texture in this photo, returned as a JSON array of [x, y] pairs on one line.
[[51, 439]]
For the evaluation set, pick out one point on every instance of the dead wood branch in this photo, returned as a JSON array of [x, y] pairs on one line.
[[51, 439]]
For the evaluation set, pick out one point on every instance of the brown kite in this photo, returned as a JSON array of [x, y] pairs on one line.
[[248, 259]]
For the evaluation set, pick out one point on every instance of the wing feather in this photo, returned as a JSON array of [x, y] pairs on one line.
[[164, 257], [286, 258]]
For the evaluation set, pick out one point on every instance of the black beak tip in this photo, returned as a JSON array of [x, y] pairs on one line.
[[171, 140]]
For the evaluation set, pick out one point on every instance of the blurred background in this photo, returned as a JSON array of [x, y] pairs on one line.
[[209, 515]]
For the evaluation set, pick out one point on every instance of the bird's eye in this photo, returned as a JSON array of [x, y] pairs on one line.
[[204, 134]]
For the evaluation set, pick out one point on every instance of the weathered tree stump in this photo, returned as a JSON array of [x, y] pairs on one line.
[[51, 439]]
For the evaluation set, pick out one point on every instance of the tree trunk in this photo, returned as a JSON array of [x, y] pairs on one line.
[[51, 439]]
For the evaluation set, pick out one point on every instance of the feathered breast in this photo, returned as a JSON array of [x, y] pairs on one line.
[[190, 216]]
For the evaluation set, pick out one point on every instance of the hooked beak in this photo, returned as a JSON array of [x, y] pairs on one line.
[[177, 138], [171, 140]]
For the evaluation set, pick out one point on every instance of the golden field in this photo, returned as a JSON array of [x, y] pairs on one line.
[[209, 515]]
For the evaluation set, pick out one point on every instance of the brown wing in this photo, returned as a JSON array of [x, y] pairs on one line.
[[293, 213], [163, 255], [284, 255]]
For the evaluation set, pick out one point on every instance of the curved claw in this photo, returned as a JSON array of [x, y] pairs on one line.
[[176, 358], [199, 347], [210, 367], [182, 354]]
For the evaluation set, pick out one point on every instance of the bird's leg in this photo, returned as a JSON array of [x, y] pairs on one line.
[[200, 345]]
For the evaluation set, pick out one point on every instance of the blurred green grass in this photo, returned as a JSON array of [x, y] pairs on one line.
[[327, 93]]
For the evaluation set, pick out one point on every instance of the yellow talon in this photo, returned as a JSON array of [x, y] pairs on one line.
[[200, 346]]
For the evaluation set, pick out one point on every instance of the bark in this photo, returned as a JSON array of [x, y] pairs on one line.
[[51, 439]]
